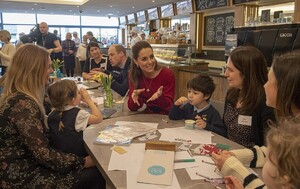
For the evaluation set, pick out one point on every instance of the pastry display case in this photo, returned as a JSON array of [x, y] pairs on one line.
[[173, 53]]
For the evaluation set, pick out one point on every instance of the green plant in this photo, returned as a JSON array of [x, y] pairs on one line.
[[56, 64], [106, 81]]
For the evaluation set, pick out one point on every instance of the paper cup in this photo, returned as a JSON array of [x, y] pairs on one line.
[[189, 124]]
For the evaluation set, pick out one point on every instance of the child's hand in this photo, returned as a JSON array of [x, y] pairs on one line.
[[157, 94], [181, 101], [200, 122], [232, 182], [85, 95]]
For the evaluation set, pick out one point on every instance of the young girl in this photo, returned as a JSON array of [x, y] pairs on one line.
[[282, 166], [198, 107], [67, 122]]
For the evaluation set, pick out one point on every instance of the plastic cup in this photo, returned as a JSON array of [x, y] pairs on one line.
[[189, 124]]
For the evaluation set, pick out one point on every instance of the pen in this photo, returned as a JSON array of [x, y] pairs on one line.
[[203, 161], [203, 176], [166, 121], [184, 160], [182, 140]]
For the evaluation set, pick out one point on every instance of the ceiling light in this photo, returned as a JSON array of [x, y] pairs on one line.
[[111, 6], [153, 1], [133, 7], [98, 10]]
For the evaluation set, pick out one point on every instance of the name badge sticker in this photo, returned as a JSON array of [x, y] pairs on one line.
[[245, 120]]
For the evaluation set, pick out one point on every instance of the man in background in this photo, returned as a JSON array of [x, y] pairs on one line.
[[134, 37], [48, 40]]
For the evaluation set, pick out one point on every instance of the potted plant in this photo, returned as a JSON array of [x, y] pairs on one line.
[[56, 65], [106, 84]]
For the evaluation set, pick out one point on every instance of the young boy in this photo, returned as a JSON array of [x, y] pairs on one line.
[[198, 107]]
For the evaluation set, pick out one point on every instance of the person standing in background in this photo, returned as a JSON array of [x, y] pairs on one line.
[[76, 39], [48, 40], [7, 51], [143, 36], [134, 37], [69, 49], [81, 52]]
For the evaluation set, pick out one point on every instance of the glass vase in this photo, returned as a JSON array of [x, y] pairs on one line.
[[108, 99]]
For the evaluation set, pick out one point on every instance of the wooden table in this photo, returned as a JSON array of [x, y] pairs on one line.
[[117, 179]]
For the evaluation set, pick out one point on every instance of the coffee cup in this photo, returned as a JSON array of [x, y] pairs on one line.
[[189, 124]]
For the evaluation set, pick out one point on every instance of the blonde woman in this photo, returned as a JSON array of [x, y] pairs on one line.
[[24, 133], [7, 51]]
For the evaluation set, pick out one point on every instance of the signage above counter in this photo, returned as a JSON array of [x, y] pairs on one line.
[[209, 4], [242, 1]]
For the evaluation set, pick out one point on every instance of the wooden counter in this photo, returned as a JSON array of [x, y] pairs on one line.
[[197, 66], [184, 75]]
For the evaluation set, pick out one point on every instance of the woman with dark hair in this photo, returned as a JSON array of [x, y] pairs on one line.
[[283, 86], [245, 112], [96, 63], [282, 93], [149, 83]]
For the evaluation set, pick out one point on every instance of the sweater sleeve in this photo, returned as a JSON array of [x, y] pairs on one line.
[[215, 124], [255, 157], [176, 113], [10, 52], [233, 166]]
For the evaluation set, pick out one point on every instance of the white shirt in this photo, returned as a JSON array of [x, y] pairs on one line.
[[134, 40], [81, 119], [81, 52], [6, 53]]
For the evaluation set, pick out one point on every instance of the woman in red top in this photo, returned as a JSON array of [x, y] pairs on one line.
[[149, 83]]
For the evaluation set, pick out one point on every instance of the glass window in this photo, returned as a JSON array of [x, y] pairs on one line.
[[64, 31], [59, 19], [16, 29], [99, 21], [109, 36], [10, 18], [96, 32]]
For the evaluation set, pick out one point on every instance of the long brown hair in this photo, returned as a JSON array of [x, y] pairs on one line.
[[253, 67], [26, 74], [135, 72], [286, 69]]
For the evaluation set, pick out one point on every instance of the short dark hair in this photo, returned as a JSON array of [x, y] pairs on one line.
[[92, 44], [203, 84]]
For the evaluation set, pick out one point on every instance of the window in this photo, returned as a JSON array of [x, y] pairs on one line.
[[59, 19], [108, 36], [16, 29], [10, 18], [99, 21]]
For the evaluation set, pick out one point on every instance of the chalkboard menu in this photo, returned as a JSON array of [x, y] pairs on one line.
[[141, 16], [215, 28], [184, 7], [242, 1], [167, 10], [152, 14], [209, 4]]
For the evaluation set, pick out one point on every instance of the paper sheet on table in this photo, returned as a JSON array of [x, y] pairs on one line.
[[203, 169], [132, 174], [133, 157], [195, 135], [153, 125], [184, 155]]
